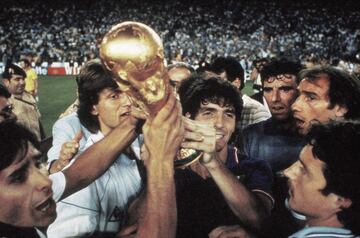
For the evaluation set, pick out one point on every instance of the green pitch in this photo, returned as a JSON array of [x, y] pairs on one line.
[[56, 93]]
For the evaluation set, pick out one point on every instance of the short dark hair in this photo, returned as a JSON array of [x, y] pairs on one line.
[[93, 78], [197, 90], [14, 140], [280, 66], [4, 92], [337, 144], [26, 62], [231, 66], [344, 89]]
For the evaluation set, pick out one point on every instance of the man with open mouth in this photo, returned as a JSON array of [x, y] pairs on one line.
[[325, 93], [323, 183]]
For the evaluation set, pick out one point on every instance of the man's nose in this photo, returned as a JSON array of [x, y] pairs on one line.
[[296, 106], [291, 171], [275, 96], [219, 121], [42, 181]]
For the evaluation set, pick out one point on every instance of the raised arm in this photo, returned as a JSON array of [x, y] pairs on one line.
[[94, 161], [163, 135]]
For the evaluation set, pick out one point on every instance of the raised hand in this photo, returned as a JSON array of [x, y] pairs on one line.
[[68, 151]]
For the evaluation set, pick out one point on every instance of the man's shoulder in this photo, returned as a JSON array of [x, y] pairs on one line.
[[255, 127]]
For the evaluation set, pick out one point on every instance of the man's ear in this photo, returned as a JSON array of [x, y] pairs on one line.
[[237, 83], [94, 111], [187, 115], [343, 202], [340, 110], [6, 82]]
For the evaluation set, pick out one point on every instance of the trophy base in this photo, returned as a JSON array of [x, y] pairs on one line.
[[186, 157]]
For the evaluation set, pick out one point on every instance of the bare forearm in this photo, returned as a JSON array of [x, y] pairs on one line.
[[245, 204], [94, 161], [159, 218]]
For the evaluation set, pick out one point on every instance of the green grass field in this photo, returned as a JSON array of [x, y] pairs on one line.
[[56, 93]]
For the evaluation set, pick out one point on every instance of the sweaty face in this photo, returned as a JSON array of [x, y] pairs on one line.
[[223, 118], [26, 194], [113, 108], [16, 85], [313, 104], [306, 180], [280, 93]]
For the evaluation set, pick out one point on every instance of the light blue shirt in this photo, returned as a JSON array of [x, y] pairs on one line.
[[323, 232], [63, 131]]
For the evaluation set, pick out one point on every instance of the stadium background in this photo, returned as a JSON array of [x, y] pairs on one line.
[[60, 35]]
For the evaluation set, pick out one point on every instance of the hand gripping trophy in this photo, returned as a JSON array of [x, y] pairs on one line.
[[134, 53]]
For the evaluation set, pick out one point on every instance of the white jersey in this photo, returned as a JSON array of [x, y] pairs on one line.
[[103, 204]]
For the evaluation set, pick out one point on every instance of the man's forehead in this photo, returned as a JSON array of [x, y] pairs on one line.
[[319, 83], [220, 103], [16, 77]]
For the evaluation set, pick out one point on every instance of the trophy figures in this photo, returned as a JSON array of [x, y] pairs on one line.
[[134, 53]]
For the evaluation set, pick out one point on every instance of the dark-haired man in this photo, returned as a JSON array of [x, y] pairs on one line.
[[230, 69], [101, 206], [29, 194], [276, 139], [209, 193], [323, 184], [24, 104], [326, 93]]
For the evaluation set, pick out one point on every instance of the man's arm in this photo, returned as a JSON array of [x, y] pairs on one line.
[[156, 212], [251, 208], [162, 135], [95, 160]]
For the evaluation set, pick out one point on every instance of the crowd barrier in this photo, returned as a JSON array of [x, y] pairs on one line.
[[56, 68]]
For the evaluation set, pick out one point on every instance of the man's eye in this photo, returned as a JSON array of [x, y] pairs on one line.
[[207, 113], [114, 96], [230, 114], [286, 89], [310, 97], [267, 90], [19, 177]]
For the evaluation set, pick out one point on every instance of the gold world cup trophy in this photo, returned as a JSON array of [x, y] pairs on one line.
[[134, 53]]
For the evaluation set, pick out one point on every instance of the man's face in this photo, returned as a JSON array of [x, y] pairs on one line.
[[26, 194], [312, 105], [280, 93], [306, 180], [6, 110], [223, 118], [113, 108], [177, 75], [16, 84]]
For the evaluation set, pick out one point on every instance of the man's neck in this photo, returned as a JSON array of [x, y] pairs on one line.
[[287, 124], [223, 154]]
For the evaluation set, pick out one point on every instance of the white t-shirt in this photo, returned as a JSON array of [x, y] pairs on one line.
[[58, 185]]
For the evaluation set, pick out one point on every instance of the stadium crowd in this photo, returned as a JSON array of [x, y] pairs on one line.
[[283, 162], [192, 31]]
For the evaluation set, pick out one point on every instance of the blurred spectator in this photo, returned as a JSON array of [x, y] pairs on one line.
[[192, 31], [31, 80]]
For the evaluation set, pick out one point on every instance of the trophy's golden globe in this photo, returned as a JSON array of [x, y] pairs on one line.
[[134, 53]]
